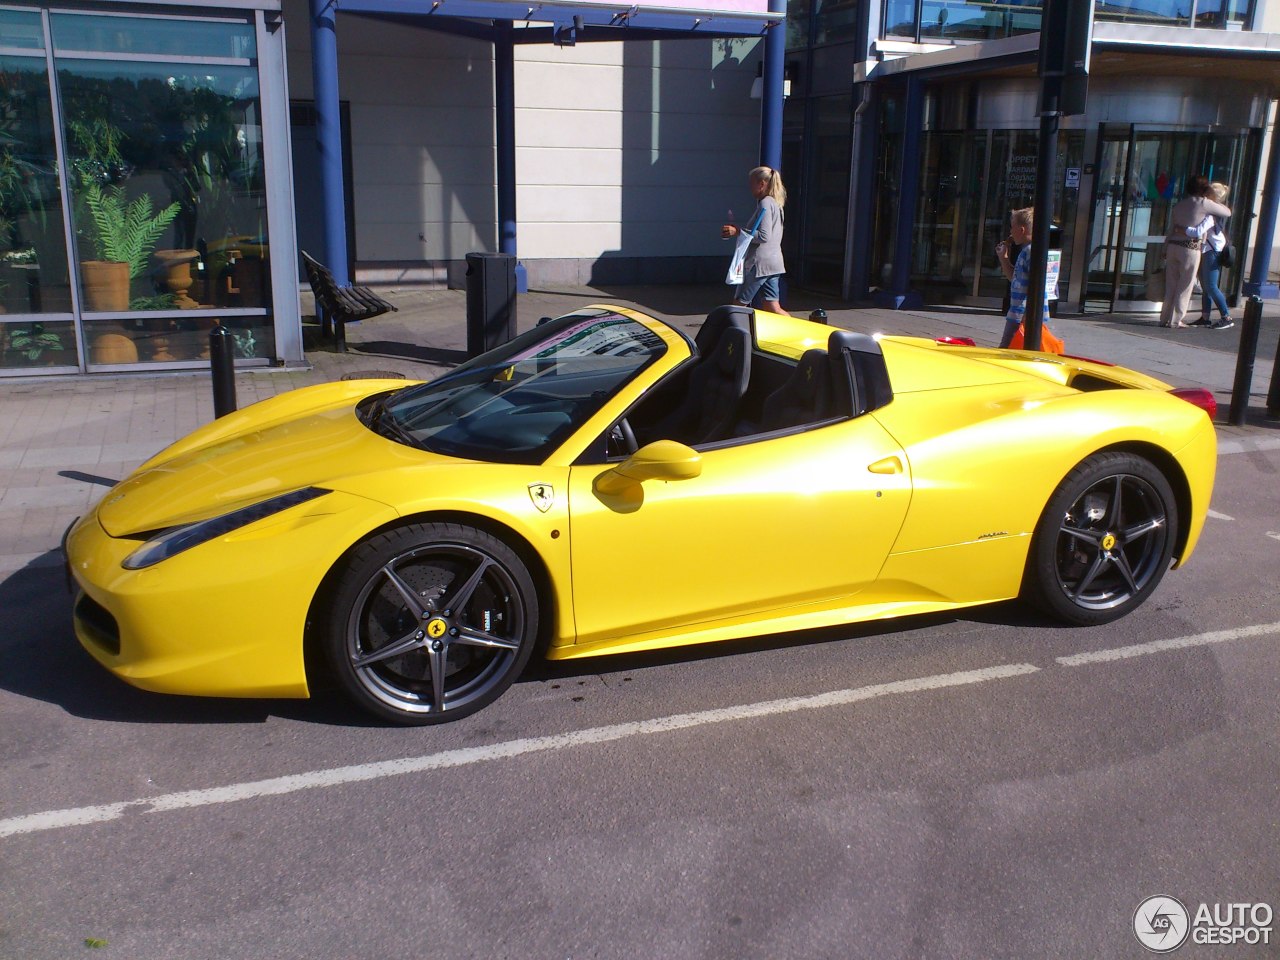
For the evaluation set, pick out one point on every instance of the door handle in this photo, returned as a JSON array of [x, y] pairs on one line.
[[888, 466]]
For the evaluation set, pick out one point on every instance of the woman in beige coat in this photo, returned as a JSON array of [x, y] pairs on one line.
[[1182, 252]]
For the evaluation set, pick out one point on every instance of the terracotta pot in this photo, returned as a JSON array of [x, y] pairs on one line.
[[106, 285], [178, 279], [113, 348]]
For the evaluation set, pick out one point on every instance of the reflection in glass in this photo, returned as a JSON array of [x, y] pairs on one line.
[[797, 24], [153, 36], [33, 250], [835, 20], [900, 19], [1169, 13], [169, 202], [37, 343], [960, 20], [21, 29], [948, 20]]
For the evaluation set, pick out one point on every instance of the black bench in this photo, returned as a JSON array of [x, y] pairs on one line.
[[337, 305]]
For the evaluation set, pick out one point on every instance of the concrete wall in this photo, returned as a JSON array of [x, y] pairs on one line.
[[632, 151], [629, 155]]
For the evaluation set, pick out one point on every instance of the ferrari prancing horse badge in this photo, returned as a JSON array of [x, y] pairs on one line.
[[542, 496]]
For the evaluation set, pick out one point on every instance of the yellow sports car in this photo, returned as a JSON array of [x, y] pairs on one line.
[[604, 484]]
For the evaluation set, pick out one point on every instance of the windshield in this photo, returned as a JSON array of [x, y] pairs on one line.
[[518, 403]]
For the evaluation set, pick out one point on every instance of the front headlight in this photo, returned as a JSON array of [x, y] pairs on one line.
[[178, 539]]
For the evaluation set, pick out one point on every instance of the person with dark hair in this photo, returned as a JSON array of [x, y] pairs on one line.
[[1212, 260], [1182, 252]]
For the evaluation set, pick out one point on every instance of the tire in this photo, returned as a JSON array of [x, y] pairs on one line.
[[430, 623], [1104, 541]]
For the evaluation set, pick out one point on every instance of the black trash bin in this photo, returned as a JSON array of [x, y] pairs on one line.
[[491, 301]]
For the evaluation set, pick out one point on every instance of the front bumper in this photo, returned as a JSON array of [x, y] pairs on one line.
[[224, 619]]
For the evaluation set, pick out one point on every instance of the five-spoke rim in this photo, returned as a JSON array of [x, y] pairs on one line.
[[1111, 542], [435, 628]]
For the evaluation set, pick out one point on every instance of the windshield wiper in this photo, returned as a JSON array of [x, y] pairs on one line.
[[384, 425]]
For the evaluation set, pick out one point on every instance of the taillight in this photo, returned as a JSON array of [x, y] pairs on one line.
[[1199, 396], [956, 341], [1101, 363]]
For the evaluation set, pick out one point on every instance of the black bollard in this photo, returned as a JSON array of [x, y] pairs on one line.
[[223, 366], [1273, 395], [818, 316], [1244, 361]]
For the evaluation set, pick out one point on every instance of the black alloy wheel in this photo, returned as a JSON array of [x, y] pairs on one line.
[[1104, 541], [431, 622]]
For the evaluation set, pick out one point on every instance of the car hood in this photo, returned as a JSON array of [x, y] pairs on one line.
[[322, 448]]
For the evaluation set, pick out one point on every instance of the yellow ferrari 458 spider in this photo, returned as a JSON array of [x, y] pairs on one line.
[[602, 484]]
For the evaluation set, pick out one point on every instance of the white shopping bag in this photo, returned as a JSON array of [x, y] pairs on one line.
[[734, 276]]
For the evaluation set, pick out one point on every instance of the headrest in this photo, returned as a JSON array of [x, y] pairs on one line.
[[729, 316], [859, 373]]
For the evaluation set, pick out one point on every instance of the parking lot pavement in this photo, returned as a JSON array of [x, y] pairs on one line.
[[64, 441]]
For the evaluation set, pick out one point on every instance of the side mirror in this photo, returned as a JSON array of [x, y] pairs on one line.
[[660, 460]]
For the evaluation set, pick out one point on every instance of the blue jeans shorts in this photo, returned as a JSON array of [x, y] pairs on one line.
[[767, 287]]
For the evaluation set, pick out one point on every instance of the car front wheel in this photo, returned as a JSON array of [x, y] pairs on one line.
[[431, 622], [1104, 541]]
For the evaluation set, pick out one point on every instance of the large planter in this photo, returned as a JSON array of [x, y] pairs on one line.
[[177, 275], [106, 285]]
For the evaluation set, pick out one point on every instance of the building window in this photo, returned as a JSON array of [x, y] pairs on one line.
[[932, 21], [166, 180]]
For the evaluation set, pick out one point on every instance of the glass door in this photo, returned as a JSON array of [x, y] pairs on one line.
[[1141, 174]]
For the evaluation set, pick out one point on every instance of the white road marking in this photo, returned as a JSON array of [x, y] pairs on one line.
[[1176, 643], [56, 819], [1219, 516], [1273, 535]]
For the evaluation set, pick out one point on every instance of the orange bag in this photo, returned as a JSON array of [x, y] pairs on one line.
[[1048, 342]]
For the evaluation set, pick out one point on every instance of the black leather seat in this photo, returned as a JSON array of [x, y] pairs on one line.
[[805, 396], [713, 391]]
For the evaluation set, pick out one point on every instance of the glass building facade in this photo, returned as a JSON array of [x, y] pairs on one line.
[[950, 168], [135, 213]]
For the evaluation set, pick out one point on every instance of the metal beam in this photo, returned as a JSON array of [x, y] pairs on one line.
[[771, 100], [324, 76], [695, 22]]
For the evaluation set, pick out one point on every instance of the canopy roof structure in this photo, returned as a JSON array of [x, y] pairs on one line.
[[506, 23]]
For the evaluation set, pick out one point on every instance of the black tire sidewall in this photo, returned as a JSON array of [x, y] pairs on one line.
[[1043, 585], [369, 557]]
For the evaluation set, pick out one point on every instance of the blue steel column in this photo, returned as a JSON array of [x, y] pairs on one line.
[[900, 295], [1265, 235], [504, 98], [771, 99], [324, 77]]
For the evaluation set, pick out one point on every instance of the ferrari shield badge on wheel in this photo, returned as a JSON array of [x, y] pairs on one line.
[[769, 474]]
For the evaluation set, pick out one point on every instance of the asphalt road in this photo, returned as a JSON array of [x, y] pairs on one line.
[[985, 785]]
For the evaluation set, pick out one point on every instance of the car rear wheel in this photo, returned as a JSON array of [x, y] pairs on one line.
[[1104, 541], [431, 622]]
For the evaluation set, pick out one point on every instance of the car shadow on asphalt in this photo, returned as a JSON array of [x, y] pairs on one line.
[[41, 659], [1011, 613]]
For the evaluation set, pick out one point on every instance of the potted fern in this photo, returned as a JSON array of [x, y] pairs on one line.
[[123, 234], [119, 233]]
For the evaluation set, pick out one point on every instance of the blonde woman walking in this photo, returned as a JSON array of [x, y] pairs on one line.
[[763, 265]]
